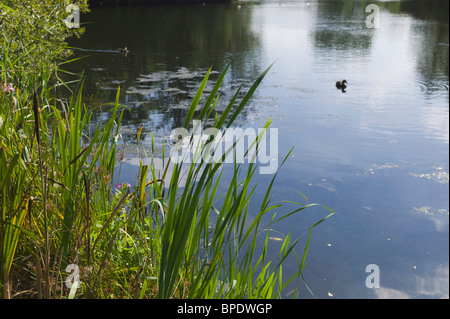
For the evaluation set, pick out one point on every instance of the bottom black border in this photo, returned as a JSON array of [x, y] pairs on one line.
[[260, 308]]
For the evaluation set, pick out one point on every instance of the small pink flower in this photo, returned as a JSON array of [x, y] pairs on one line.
[[121, 185], [8, 88]]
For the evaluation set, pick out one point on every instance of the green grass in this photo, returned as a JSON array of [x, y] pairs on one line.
[[155, 239]]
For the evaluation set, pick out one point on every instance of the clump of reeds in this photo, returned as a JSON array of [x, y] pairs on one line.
[[59, 206]]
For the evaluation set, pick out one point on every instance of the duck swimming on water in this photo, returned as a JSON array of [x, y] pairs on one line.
[[341, 84]]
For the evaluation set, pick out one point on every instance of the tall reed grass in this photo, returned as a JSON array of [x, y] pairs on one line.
[[59, 205]]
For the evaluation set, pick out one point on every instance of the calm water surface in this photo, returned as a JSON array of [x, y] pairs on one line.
[[378, 154]]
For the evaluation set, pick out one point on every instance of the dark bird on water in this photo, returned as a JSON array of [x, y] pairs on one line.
[[124, 50], [341, 84]]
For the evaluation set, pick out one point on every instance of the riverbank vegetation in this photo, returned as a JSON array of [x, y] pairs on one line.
[[68, 231]]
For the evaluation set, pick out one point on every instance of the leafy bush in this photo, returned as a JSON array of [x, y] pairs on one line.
[[38, 27]]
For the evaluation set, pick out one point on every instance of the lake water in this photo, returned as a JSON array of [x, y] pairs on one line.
[[377, 154]]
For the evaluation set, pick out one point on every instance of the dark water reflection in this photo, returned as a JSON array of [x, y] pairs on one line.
[[377, 154]]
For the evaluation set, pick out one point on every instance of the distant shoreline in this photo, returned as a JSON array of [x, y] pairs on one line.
[[102, 3]]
